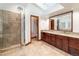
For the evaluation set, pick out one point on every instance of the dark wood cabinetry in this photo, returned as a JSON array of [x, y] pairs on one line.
[[49, 38], [52, 40], [43, 36], [59, 42], [62, 42], [74, 46], [67, 44]]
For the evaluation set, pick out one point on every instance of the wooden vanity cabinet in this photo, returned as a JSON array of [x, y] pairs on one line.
[[62, 42], [74, 46], [49, 38], [52, 40], [67, 44], [59, 41], [43, 36]]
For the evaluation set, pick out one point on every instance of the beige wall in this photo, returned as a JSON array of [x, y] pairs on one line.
[[76, 21]]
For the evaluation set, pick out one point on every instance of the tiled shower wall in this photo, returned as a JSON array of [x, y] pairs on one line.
[[10, 29], [1, 29]]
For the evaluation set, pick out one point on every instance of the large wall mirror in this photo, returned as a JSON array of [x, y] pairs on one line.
[[62, 22]]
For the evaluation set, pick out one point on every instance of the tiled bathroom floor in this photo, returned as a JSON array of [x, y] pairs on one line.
[[36, 48]]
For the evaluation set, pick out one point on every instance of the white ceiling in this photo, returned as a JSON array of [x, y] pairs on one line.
[[67, 7], [46, 8], [49, 7], [12, 6]]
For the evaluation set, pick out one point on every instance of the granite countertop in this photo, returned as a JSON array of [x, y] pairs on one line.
[[69, 34]]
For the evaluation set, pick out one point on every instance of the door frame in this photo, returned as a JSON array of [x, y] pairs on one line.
[[37, 26], [51, 24]]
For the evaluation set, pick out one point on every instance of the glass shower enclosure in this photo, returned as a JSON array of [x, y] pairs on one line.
[[10, 29]]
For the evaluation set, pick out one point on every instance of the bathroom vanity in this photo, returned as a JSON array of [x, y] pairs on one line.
[[66, 41]]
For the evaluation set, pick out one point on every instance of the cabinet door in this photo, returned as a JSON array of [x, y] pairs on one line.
[[48, 38], [65, 43], [52, 40], [74, 42], [74, 46], [59, 42], [43, 36]]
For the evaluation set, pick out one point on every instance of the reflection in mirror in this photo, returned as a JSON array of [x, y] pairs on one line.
[[62, 22]]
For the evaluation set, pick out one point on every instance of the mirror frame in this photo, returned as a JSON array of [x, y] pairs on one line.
[[63, 14]]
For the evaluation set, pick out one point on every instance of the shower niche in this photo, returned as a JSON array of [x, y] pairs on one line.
[[10, 29]]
